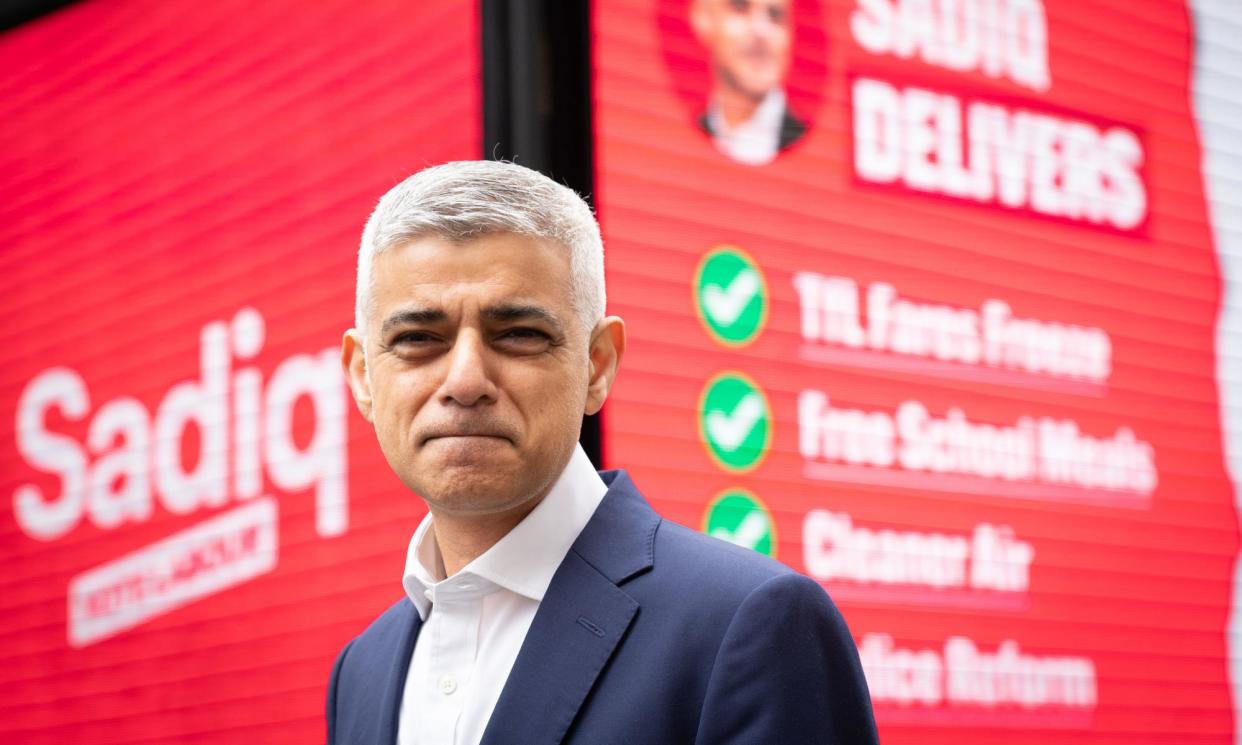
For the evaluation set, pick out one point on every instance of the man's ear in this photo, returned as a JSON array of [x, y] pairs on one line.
[[700, 23], [354, 363], [607, 346]]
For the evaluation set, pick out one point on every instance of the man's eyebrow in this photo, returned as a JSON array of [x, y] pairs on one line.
[[521, 312], [412, 316]]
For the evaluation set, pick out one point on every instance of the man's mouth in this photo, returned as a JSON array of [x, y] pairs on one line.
[[758, 53], [465, 436]]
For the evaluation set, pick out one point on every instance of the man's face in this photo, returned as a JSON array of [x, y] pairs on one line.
[[479, 369], [749, 42]]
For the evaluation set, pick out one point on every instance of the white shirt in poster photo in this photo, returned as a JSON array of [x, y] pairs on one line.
[[755, 141]]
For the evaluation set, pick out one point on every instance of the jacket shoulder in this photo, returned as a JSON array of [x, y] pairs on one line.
[[792, 129], [714, 565]]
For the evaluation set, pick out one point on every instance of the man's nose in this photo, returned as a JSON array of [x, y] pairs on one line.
[[468, 380]]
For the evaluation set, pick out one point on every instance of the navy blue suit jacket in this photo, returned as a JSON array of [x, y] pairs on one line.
[[650, 633]]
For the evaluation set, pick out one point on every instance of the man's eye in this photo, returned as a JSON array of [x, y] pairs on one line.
[[414, 342], [525, 334], [523, 338]]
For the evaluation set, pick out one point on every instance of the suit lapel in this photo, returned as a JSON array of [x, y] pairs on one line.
[[571, 639], [580, 622]]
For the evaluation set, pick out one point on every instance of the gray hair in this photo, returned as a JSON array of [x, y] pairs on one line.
[[465, 200]]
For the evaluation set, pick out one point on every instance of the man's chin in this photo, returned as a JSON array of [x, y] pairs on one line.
[[756, 84], [472, 491], [758, 91]]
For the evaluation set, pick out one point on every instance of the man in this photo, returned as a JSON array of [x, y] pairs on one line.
[[548, 603], [747, 115]]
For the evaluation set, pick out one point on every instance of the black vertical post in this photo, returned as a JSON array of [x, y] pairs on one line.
[[14, 13], [537, 102]]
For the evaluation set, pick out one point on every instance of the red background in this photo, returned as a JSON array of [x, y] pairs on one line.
[[166, 164]]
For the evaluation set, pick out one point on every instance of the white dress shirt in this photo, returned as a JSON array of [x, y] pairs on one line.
[[756, 140], [474, 622]]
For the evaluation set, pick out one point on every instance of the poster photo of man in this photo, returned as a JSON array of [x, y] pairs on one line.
[[749, 42]]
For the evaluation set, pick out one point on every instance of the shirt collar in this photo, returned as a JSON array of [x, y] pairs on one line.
[[524, 560], [756, 140]]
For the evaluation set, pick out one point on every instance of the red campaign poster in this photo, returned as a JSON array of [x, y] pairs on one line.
[[922, 300], [193, 520]]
